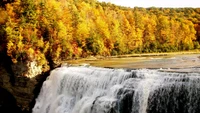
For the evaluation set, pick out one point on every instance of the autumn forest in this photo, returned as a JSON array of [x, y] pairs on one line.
[[64, 29]]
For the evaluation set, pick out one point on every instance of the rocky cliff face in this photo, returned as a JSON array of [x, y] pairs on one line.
[[23, 81]]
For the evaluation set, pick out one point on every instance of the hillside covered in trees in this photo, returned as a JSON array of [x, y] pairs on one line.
[[62, 29]]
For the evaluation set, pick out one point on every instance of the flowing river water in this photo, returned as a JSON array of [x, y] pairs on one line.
[[92, 89]]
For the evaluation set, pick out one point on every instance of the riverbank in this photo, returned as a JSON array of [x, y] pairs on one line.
[[157, 54], [183, 59]]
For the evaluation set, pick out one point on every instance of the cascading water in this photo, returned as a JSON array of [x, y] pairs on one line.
[[102, 90]]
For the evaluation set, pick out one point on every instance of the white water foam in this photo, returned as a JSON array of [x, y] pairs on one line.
[[96, 90]]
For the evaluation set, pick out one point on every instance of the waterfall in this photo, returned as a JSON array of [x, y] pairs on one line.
[[103, 90]]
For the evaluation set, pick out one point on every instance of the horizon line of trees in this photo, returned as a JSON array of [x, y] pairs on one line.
[[62, 29]]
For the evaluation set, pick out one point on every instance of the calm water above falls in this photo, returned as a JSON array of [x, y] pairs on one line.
[[102, 90]]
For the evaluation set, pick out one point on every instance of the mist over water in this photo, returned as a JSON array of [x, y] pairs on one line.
[[103, 90]]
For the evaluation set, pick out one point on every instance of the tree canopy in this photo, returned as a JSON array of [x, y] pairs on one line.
[[63, 29]]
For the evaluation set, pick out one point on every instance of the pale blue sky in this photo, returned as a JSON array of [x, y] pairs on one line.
[[156, 3]]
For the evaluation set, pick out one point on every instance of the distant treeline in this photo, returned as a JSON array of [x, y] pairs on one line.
[[63, 29]]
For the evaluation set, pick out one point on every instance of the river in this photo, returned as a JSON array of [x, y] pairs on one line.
[[170, 61], [168, 86]]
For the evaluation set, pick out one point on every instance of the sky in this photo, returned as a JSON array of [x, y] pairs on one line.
[[156, 3]]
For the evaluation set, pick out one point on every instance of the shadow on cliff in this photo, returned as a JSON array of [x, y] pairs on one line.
[[8, 102], [18, 92]]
